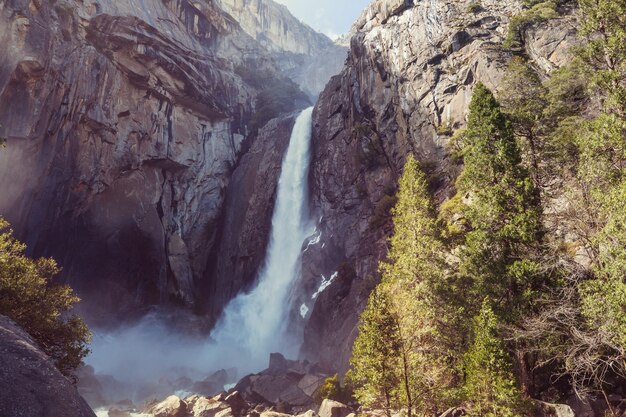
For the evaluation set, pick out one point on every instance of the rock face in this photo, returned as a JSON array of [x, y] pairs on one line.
[[30, 385], [245, 225], [306, 56], [410, 74], [124, 122]]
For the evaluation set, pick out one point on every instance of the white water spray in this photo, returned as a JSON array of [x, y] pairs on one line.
[[255, 323]]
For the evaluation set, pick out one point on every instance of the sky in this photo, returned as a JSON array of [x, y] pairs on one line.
[[332, 17]]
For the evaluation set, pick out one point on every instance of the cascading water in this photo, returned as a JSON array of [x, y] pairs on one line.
[[255, 323]]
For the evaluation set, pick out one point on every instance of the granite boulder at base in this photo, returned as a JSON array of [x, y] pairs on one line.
[[30, 385], [289, 385]]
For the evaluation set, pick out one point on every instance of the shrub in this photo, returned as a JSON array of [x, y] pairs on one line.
[[474, 7], [539, 11], [333, 390], [28, 298]]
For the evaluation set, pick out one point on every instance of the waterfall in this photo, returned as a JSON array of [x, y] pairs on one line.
[[254, 324]]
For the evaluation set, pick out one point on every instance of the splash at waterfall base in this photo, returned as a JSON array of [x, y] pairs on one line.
[[153, 358]]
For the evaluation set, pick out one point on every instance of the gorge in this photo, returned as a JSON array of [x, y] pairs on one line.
[[221, 185]]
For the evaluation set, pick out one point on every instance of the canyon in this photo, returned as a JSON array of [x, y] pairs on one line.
[[141, 155]]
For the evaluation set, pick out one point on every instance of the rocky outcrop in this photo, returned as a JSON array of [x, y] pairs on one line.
[[304, 55], [289, 385], [407, 83], [124, 122], [30, 385]]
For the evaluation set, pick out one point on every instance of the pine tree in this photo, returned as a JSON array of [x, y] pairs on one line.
[[524, 98], [375, 360], [421, 360], [489, 383], [502, 209], [602, 168], [411, 277]]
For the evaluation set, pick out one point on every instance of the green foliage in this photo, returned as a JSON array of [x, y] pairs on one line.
[[604, 23], [333, 390], [474, 7], [503, 209], [419, 366], [539, 11], [524, 100], [374, 358], [28, 297], [490, 385]]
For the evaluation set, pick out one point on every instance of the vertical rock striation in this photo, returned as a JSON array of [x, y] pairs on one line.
[[407, 82]]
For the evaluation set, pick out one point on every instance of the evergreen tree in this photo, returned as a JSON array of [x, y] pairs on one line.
[[489, 383], [524, 99], [602, 168], [411, 277], [419, 357], [375, 359], [28, 297], [502, 210]]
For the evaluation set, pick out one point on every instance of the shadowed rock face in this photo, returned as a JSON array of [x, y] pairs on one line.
[[411, 68], [124, 122], [30, 385]]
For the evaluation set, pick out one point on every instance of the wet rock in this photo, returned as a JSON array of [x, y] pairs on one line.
[[30, 385], [214, 383], [288, 385]]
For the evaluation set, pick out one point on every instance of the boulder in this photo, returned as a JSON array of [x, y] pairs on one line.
[[205, 407], [236, 402], [544, 409], [214, 383], [172, 406], [311, 413], [330, 408], [228, 412], [30, 385]]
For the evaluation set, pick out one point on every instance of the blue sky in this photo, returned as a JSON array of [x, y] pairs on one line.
[[332, 17]]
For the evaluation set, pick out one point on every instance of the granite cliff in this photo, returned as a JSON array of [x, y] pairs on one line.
[[406, 85], [125, 121], [306, 56]]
